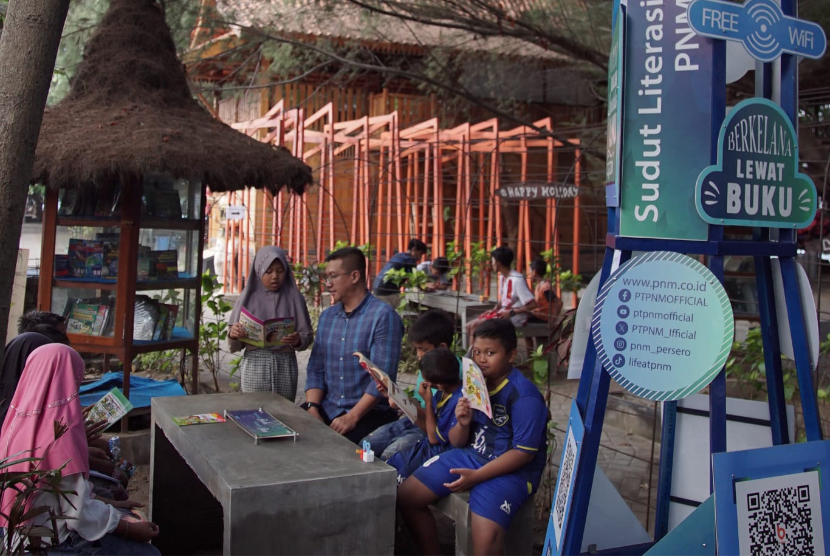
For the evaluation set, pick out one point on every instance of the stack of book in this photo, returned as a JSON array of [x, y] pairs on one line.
[[87, 318], [154, 321], [157, 265]]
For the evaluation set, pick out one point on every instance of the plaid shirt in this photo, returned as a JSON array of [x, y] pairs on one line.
[[374, 329]]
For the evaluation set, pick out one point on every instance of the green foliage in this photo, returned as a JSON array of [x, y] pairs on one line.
[[367, 248], [747, 366], [213, 328]]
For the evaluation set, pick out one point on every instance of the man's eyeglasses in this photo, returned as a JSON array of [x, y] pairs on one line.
[[329, 278]]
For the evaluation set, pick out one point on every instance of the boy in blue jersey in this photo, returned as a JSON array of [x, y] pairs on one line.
[[439, 369], [433, 329], [499, 460]]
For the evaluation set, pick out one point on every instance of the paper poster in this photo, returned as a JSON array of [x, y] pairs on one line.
[[475, 387], [780, 515]]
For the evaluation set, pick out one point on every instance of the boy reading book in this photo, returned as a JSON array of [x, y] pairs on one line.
[[432, 330], [499, 460], [439, 369]]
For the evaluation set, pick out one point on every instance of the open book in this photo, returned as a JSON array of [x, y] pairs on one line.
[[265, 333], [404, 402], [111, 408], [475, 387]]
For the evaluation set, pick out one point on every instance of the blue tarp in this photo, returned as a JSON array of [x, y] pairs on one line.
[[142, 390]]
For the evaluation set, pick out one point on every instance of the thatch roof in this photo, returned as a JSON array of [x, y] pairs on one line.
[[130, 112]]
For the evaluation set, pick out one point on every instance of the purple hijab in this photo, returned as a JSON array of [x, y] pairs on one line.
[[265, 304]]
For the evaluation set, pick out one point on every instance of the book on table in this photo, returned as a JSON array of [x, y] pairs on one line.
[[475, 387], [111, 408], [268, 333], [200, 419], [404, 402], [260, 424]]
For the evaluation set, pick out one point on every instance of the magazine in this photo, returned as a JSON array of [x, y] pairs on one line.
[[265, 333], [260, 424], [404, 402], [200, 419], [87, 318], [111, 408], [475, 387]]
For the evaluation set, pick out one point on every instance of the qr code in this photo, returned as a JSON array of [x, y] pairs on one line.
[[780, 516], [563, 494]]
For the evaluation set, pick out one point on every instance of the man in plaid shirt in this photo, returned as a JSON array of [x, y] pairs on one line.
[[338, 391]]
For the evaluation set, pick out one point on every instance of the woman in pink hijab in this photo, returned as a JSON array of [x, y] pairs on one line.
[[48, 393]]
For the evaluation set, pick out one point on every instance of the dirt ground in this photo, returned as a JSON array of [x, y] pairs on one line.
[[139, 487]]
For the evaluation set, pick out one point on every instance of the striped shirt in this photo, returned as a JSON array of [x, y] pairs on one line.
[[374, 329]]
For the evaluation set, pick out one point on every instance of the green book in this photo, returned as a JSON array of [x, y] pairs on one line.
[[111, 408]]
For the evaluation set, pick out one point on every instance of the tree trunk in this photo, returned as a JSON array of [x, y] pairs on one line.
[[28, 47]]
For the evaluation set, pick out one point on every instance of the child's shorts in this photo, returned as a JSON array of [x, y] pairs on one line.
[[413, 456], [498, 499]]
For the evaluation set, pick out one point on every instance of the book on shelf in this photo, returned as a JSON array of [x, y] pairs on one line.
[[111, 408], [86, 258], [172, 315], [167, 264], [145, 318], [165, 204], [66, 201], [62, 266], [265, 333], [260, 424], [87, 318], [404, 402], [110, 244], [164, 313]]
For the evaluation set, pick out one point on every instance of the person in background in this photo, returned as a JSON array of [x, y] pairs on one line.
[[515, 299], [31, 319], [439, 368], [548, 305], [339, 392], [437, 272], [499, 460], [270, 292], [434, 329], [47, 396], [385, 289]]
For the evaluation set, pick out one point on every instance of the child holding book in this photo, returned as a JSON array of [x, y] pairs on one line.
[[439, 369], [433, 329], [499, 460], [270, 292]]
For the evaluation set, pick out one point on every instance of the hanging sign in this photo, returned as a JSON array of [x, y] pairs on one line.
[[663, 326], [235, 212], [756, 181], [537, 190], [667, 114], [614, 115], [760, 26]]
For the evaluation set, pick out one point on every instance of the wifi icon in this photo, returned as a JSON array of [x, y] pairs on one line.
[[760, 26]]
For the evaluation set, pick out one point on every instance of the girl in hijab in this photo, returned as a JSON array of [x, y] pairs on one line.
[[48, 394], [14, 360], [270, 292]]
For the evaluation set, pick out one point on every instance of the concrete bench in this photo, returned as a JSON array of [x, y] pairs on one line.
[[519, 538]]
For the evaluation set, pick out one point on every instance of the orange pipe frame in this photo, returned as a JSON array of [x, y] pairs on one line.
[[419, 204]]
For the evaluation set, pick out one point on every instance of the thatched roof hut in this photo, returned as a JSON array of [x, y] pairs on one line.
[[130, 112]]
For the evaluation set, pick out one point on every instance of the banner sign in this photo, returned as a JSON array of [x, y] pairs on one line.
[[235, 212], [756, 181], [614, 116], [760, 26], [537, 190], [667, 135], [663, 326]]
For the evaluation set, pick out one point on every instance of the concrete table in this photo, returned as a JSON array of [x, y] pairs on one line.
[[467, 307], [210, 485]]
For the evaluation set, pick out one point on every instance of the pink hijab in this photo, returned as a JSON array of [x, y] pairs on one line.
[[47, 392]]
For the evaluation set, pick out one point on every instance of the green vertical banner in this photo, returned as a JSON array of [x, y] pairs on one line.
[[667, 138], [614, 116]]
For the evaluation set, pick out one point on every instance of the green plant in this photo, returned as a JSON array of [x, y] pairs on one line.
[[746, 364], [309, 280], [29, 486], [213, 329]]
